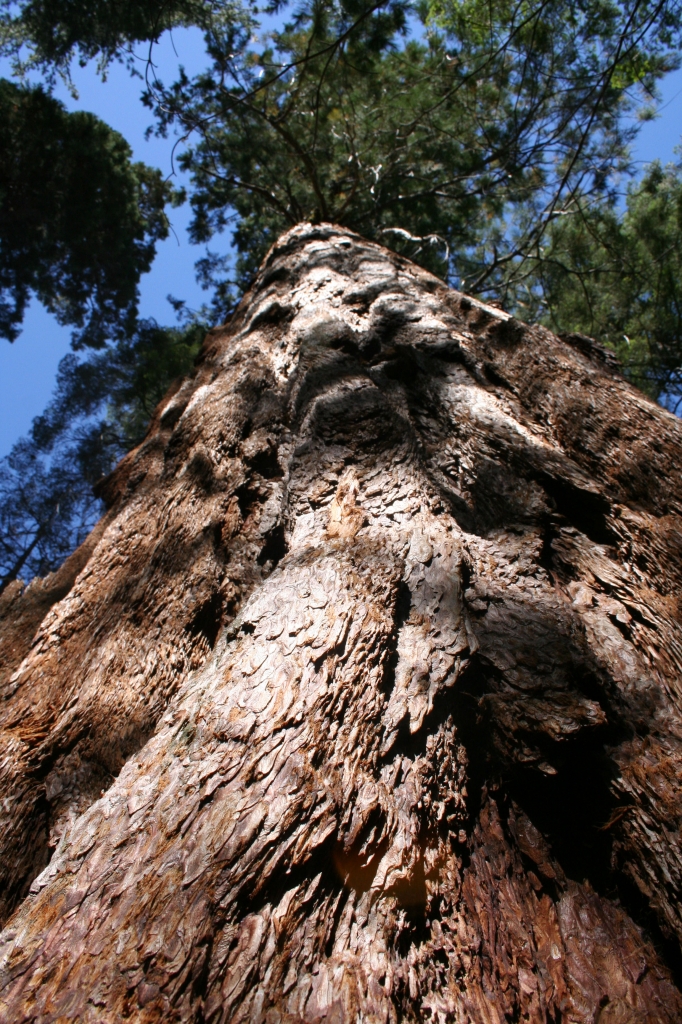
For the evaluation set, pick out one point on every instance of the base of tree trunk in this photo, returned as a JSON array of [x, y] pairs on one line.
[[364, 702]]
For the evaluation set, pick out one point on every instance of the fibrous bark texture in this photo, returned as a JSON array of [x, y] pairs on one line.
[[365, 702]]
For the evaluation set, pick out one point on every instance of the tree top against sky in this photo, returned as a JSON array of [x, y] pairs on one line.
[[453, 131]]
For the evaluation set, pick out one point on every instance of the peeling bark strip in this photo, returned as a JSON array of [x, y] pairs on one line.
[[365, 704]]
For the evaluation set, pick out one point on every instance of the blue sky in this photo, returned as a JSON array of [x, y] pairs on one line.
[[28, 367]]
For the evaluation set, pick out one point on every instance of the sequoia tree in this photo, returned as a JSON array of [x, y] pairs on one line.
[[362, 702]]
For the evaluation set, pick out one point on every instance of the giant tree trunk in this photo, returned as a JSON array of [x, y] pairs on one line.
[[365, 703]]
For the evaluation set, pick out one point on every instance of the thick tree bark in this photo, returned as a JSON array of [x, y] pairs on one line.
[[431, 770]]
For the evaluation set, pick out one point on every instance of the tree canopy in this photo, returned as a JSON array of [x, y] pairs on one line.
[[489, 142], [617, 276], [48, 34], [471, 134], [78, 219]]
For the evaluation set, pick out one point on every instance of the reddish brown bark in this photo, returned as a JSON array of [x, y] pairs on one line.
[[431, 769]]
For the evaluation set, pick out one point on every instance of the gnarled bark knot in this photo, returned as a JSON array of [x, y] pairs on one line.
[[364, 702]]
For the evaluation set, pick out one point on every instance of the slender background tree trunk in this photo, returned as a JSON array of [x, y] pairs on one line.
[[364, 701]]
